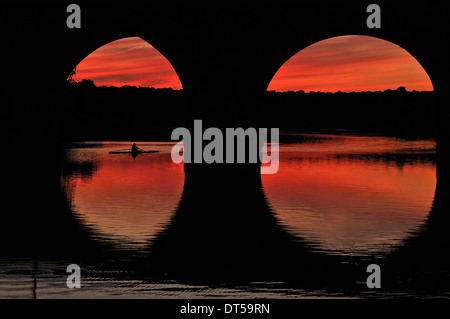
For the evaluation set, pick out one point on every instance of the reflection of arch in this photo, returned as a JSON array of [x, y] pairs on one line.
[[137, 194]]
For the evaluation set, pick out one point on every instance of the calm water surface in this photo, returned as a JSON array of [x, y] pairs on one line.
[[125, 198], [349, 195], [355, 195]]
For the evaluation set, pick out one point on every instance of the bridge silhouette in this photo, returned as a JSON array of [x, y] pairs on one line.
[[217, 54]]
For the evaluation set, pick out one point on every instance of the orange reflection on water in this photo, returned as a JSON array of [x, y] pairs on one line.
[[128, 199], [353, 195], [346, 194]]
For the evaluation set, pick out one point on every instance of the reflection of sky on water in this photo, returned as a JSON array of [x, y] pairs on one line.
[[127, 199], [353, 194], [348, 194]]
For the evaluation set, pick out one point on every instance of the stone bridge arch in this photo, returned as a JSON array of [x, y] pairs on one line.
[[224, 55]]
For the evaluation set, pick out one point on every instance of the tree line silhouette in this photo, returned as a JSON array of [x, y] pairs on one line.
[[143, 113], [119, 113], [395, 112]]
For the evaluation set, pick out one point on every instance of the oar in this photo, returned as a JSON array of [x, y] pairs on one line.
[[122, 150]]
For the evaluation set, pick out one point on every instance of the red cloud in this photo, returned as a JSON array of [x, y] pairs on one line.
[[128, 61], [351, 63]]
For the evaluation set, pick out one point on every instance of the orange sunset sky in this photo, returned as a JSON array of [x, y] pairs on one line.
[[128, 61], [345, 63]]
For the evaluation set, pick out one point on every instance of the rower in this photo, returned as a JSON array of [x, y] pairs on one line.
[[134, 148]]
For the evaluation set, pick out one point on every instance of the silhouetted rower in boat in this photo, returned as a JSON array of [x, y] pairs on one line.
[[135, 149]]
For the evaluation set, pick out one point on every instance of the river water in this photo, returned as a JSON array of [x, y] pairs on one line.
[[347, 195]]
